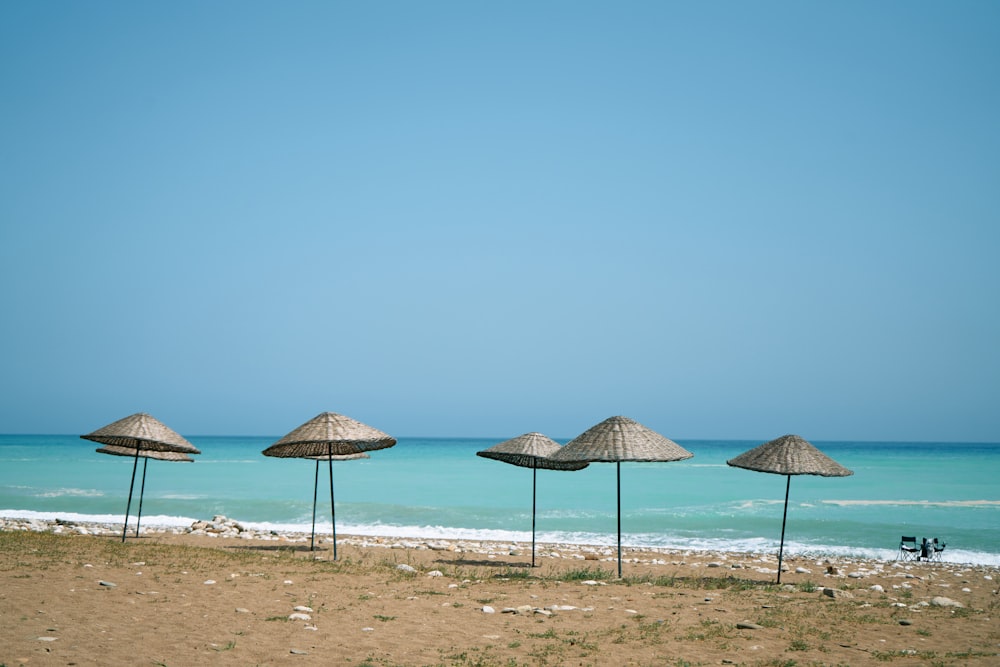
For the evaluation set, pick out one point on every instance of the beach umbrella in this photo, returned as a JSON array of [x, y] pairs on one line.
[[788, 455], [146, 455], [335, 457], [140, 433], [327, 435], [617, 440], [531, 450]]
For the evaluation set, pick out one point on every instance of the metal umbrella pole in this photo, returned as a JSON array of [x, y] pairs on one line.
[[128, 506], [333, 508], [312, 538], [534, 491], [784, 517], [142, 492], [618, 468]]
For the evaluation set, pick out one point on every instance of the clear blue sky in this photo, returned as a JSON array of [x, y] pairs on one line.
[[722, 219]]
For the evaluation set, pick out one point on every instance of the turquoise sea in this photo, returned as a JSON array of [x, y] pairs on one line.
[[439, 488]]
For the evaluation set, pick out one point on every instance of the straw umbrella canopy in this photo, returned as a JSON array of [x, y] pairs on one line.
[[327, 435], [531, 450], [788, 455], [146, 455], [140, 433], [617, 440]]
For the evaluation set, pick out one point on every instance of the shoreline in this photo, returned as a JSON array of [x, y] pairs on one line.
[[225, 528]]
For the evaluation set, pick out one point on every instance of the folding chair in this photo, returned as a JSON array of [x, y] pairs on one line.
[[908, 549], [936, 549]]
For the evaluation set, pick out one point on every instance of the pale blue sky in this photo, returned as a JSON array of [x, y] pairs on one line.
[[722, 219]]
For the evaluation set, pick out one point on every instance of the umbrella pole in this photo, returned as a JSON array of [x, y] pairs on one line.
[[333, 509], [534, 488], [784, 516], [130, 487], [312, 540], [142, 492], [618, 469]]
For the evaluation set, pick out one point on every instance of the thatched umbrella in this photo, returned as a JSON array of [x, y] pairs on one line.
[[140, 433], [619, 439], [531, 450], [789, 455], [146, 455], [327, 435]]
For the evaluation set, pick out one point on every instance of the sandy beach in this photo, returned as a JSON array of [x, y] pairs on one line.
[[75, 595]]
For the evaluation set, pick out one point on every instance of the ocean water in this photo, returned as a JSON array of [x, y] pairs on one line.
[[439, 488]]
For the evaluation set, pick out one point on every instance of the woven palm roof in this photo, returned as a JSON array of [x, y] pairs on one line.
[[143, 432], [789, 455], [329, 434], [144, 453], [619, 439], [531, 450]]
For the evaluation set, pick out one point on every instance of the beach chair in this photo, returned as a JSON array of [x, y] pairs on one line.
[[936, 549], [908, 549]]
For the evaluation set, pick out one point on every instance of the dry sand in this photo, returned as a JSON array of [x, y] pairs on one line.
[[182, 599]]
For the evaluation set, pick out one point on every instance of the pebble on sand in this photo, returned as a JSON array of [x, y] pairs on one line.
[[942, 601]]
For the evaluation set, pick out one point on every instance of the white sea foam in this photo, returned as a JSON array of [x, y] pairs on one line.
[[919, 503], [758, 502], [82, 493]]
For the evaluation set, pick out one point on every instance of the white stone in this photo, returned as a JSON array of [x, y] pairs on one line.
[[299, 617], [403, 567], [836, 593], [303, 608], [489, 610], [941, 601], [435, 573]]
